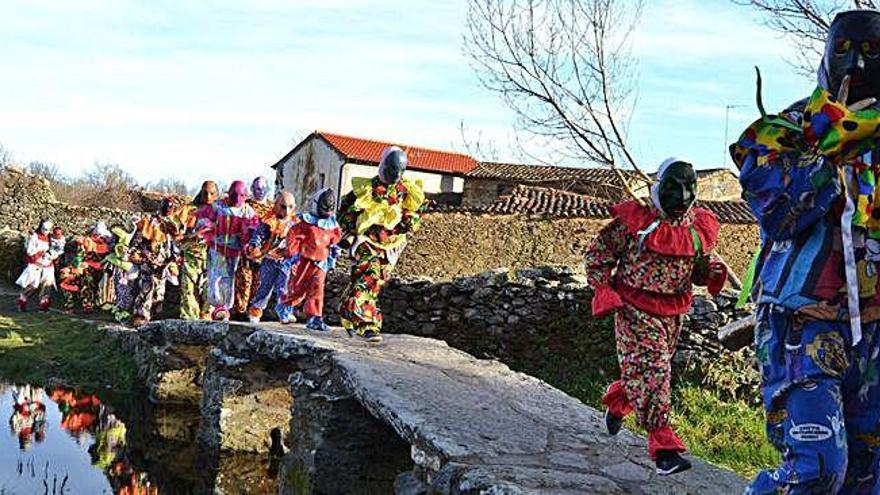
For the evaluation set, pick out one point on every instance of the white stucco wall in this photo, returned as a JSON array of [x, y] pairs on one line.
[[301, 174], [433, 182]]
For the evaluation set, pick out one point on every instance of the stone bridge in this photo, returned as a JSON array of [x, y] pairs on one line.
[[408, 416]]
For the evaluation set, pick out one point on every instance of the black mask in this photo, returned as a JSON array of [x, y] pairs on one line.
[[165, 207], [392, 167], [326, 204], [677, 189], [853, 47]]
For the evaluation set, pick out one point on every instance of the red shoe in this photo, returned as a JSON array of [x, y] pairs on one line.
[[22, 303], [220, 314], [45, 304]]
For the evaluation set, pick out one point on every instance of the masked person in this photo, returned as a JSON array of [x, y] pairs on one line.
[[643, 265], [123, 272], [194, 250], [267, 244], [313, 241], [809, 175], [80, 278], [225, 224], [38, 277], [376, 217], [247, 276], [155, 254]]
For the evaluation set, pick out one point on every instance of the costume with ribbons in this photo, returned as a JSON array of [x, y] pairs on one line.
[[270, 236], [225, 228], [155, 254], [247, 275], [79, 279], [379, 216], [38, 276], [193, 278], [811, 184], [643, 266], [313, 241]]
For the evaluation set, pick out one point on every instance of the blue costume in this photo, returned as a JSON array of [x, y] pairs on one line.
[[270, 235], [809, 176]]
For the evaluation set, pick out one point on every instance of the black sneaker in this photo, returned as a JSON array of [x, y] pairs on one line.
[[612, 423], [372, 336], [669, 462]]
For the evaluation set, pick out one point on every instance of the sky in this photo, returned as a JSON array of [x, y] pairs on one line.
[[223, 89]]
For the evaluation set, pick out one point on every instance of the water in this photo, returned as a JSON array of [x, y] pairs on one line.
[[64, 440]]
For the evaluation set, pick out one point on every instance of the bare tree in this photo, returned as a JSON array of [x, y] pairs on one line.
[[168, 185], [565, 69], [106, 185], [5, 157], [476, 146], [804, 23], [48, 171]]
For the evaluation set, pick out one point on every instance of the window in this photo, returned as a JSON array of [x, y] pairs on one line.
[[446, 183], [321, 178]]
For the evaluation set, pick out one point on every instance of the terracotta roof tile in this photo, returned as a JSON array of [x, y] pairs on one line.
[[554, 203], [368, 150], [544, 173]]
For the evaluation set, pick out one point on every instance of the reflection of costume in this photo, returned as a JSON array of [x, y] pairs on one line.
[[28, 419], [810, 179], [314, 241], [379, 216], [269, 236], [643, 265]]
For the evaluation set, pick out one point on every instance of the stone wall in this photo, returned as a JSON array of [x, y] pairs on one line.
[[461, 244], [28, 198], [719, 185]]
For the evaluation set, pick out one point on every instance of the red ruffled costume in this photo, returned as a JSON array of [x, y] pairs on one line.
[[643, 267]]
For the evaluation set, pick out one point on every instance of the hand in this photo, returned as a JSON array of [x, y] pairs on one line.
[[276, 254], [843, 96]]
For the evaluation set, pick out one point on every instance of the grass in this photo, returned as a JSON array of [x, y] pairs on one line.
[[35, 347]]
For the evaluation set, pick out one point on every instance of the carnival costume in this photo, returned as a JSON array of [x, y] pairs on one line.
[[226, 224], [155, 253], [809, 176], [247, 275], [123, 272], [643, 265], [194, 250], [376, 217], [268, 244], [313, 241], [38, 277], [80, 278]]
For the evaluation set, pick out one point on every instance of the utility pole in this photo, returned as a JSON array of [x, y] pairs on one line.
[[725, 153]]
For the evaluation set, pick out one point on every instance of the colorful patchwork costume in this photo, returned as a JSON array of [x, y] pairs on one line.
[[80, 278], [124, 273], [154, 252], [226, 225], [376, 217], [38, 277], [809, 176], [268, 244], [313, 241], [194, 250], [642, 265], [247, 275]]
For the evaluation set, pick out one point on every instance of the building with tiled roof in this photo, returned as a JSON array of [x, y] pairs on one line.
[[489, 181], [325, 159], [554, 203]]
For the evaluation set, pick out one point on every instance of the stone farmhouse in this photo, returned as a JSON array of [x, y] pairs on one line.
[[324, 159], [327, 159]]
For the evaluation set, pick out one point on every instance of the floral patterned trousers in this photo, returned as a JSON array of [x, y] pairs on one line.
[[359, 308], [645, 346], [194, 284]]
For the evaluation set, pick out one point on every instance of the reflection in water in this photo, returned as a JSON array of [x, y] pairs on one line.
[[28, 419], [74, 442]]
